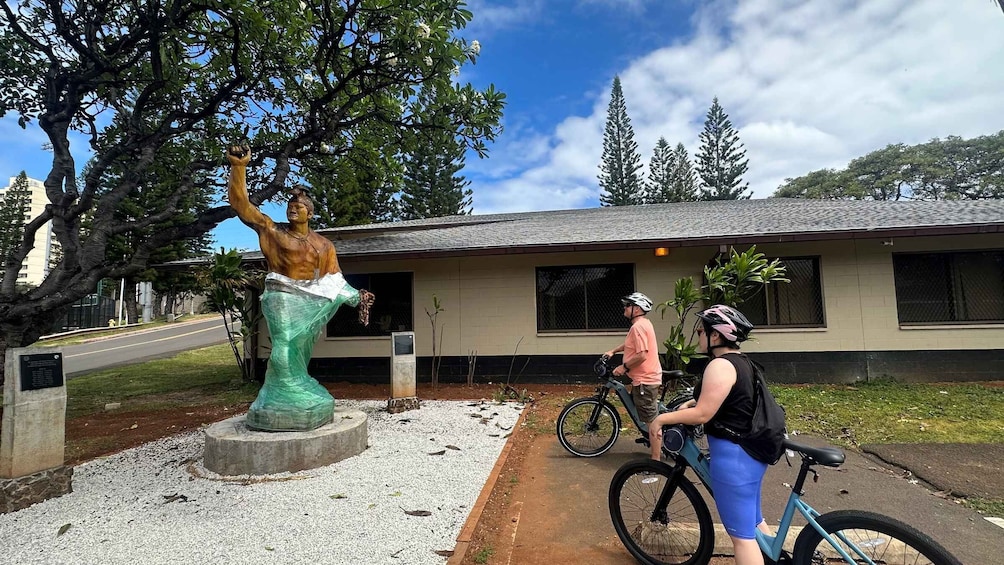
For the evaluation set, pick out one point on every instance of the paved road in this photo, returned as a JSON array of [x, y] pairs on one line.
[[142, 345]]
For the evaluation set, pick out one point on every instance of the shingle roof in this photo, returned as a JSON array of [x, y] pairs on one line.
[[664, 225], [679, 224]]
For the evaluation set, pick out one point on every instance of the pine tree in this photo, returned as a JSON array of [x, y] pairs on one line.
[[659, 188], [683, 179], [721, 160], [13, 206], [358, 187], [432, 187], [619, 176]]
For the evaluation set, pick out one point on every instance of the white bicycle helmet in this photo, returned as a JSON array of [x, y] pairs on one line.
[[639, 300]]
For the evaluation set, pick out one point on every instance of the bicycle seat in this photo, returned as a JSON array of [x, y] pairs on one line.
[[672, 374], [829, 456]]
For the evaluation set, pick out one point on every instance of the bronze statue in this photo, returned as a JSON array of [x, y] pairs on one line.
[[303, 289]]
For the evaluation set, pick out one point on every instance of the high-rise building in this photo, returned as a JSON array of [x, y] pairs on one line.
[[35, 266]]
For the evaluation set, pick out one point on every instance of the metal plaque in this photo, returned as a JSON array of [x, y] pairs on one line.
[[404, 344], [42, 370]]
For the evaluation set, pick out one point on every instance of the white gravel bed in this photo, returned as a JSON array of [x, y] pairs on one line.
[[158, 504]]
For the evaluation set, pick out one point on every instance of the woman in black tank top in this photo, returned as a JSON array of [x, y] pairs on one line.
[[723, 399]]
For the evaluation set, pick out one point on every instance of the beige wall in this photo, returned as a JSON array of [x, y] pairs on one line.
[[489, 302]]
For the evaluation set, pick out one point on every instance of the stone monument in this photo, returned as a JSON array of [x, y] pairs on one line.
[[303, 289], [33, 428], [402, 373]]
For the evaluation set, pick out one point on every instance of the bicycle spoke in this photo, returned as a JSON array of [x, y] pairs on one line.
[[671, 535]]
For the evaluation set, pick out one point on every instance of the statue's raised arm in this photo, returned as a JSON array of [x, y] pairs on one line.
[[237, 191]]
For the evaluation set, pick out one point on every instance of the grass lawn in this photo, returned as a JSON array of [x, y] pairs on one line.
[[201, 376]]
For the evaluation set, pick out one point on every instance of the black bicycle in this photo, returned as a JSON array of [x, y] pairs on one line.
[[589, 426]]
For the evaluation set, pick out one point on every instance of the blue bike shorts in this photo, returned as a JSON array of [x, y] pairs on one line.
[[736, 479]]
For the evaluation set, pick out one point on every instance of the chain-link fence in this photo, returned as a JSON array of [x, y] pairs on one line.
[[583, 298], [949, 287]]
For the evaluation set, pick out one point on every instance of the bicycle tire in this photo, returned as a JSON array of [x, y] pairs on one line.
[[682, 533], [885, 539], [584, 438]]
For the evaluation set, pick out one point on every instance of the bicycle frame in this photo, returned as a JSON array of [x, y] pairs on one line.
[[622, 392], [691, 456], [612, 384]]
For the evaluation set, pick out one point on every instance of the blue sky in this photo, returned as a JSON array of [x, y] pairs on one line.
[[807, 84]]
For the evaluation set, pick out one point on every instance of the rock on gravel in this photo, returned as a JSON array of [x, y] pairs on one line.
[[405, 497]]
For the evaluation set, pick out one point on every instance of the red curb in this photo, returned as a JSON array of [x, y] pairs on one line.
[[467, 532]]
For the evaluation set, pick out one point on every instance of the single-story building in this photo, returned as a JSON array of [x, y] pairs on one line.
[[912, 291]]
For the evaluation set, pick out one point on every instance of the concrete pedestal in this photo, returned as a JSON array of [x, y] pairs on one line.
[[234, 449]]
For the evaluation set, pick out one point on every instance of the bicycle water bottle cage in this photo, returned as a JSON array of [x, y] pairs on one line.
[[600, 368]]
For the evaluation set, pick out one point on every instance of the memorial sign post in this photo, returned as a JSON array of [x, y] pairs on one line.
[[402, 373], [33, 429]]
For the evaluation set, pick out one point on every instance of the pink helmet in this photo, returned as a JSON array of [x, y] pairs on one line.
[[728, 322]]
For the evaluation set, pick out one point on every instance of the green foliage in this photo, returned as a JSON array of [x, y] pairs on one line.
[[950, 169], [431, 186], [729, 280], [671, 176], [683, 179], [824, 184], [481, 557], [721, 159], [359, 187], [619, 178], [157, 89], [659, 186], [14, 204], [229, 287]]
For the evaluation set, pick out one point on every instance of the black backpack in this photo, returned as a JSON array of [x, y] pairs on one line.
[[765, 440]]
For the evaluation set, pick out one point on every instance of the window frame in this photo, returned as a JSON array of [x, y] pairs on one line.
[[632, 273], [951, 254], [817, 262]]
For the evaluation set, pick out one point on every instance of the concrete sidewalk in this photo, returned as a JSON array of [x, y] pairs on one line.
[[560, 511]]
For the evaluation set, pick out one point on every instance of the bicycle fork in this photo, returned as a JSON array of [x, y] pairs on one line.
[[661, 511], [601, 396]]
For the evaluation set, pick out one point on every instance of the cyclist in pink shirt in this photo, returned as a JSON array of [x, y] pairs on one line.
[[641, 357]]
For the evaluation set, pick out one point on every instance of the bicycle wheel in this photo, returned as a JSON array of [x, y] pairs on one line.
[[881, 538], [681, 533], [588, 427]]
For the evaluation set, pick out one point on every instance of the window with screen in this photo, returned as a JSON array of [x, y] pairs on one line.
[[949, 288], [795, 304], [583, 297]]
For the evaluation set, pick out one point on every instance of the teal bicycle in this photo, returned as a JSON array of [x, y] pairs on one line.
[[589, 426], [662, 519]]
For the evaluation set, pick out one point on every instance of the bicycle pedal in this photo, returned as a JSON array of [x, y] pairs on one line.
[[641, 440]]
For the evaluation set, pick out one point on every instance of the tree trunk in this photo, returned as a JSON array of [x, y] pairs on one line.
[[24, 332], [131, 311]]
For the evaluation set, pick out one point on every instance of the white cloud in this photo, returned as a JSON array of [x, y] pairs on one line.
[[808, 86], [490, 17]]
